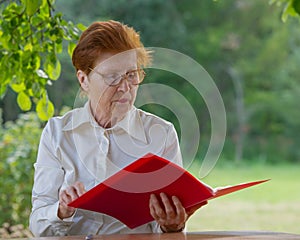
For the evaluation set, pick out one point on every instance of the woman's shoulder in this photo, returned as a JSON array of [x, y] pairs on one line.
[[70, 119], [150, 118]]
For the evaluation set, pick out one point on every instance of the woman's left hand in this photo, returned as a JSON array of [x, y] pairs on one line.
[[172, 216]]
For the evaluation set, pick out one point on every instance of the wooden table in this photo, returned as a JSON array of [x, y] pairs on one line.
[[182, 236]]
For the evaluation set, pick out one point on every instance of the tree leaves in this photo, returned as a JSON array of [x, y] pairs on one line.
[[32, 6], [18, 87], [31, 37], [53, 69], [291, 8], [18, 149], [296, 6], [24, 101], [71, 48], [45, 108]]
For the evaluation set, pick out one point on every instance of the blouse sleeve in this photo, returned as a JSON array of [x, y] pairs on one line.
[[48, 179]]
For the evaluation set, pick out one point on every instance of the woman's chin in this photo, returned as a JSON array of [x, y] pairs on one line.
[[121, 109]]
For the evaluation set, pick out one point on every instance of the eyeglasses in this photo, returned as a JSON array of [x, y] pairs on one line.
[[133, 77]]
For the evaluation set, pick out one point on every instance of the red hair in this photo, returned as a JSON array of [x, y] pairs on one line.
[[107, 36]]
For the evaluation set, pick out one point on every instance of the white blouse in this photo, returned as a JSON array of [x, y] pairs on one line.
[[75, 148]]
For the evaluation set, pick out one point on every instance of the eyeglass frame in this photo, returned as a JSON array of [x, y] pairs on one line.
[[139, 71]]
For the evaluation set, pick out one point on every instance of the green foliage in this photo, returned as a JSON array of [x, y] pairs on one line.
[[291, 8], [31, 37], [44, 108], [247, 36], [250, 38], [18, 149]]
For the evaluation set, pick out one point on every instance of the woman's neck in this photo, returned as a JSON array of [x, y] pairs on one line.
[[105, 119]]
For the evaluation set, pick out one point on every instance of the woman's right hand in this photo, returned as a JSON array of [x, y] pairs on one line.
[[68, 195]]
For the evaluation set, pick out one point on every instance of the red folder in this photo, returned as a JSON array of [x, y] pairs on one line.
[[125, 195]]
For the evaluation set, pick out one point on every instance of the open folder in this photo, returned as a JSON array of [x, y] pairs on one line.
[[125, 195]]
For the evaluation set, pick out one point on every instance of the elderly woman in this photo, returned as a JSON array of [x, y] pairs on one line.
[[85, 146]]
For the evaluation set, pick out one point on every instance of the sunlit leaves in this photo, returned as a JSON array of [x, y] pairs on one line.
[[18, 87], [24, 101], [32, 6], [81, 26], [44, 108], [71, 48], [290, 8], [31, 37], [53, 69]]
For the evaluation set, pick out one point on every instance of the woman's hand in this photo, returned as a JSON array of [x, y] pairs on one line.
[[68, 195], [172, 216]]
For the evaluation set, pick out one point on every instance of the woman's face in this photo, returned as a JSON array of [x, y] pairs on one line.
[[110, 103]]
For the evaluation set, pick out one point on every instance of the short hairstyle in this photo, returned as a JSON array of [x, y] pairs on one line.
[[107, 36]]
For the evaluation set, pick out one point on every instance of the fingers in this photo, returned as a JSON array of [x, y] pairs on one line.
[[170, 214], [72, 192], [155, 209], [64, 198], [68, 195], [180, 210], [79, 187], [167, 205]]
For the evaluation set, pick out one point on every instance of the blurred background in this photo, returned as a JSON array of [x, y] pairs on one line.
[[252, 56]]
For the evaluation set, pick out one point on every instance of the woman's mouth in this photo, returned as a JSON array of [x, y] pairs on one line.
[[123, 100]]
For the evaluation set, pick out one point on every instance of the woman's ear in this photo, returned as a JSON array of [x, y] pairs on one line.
[[83, 80]]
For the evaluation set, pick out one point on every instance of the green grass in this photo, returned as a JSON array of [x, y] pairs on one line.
[[271, 206]]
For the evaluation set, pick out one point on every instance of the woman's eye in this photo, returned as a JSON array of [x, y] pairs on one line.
[[113, 76], [131, 75], [115, 80]]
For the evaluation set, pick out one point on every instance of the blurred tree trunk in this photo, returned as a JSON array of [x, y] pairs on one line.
[[9, 106], [240, 113]]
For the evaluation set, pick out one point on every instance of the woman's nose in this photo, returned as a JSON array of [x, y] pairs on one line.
[[124, 85]]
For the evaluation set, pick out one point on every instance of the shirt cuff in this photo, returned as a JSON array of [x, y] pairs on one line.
[[70, 219], [55, 219]]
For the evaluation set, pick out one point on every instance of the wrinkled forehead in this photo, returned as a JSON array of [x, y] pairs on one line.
[[110, 62]]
